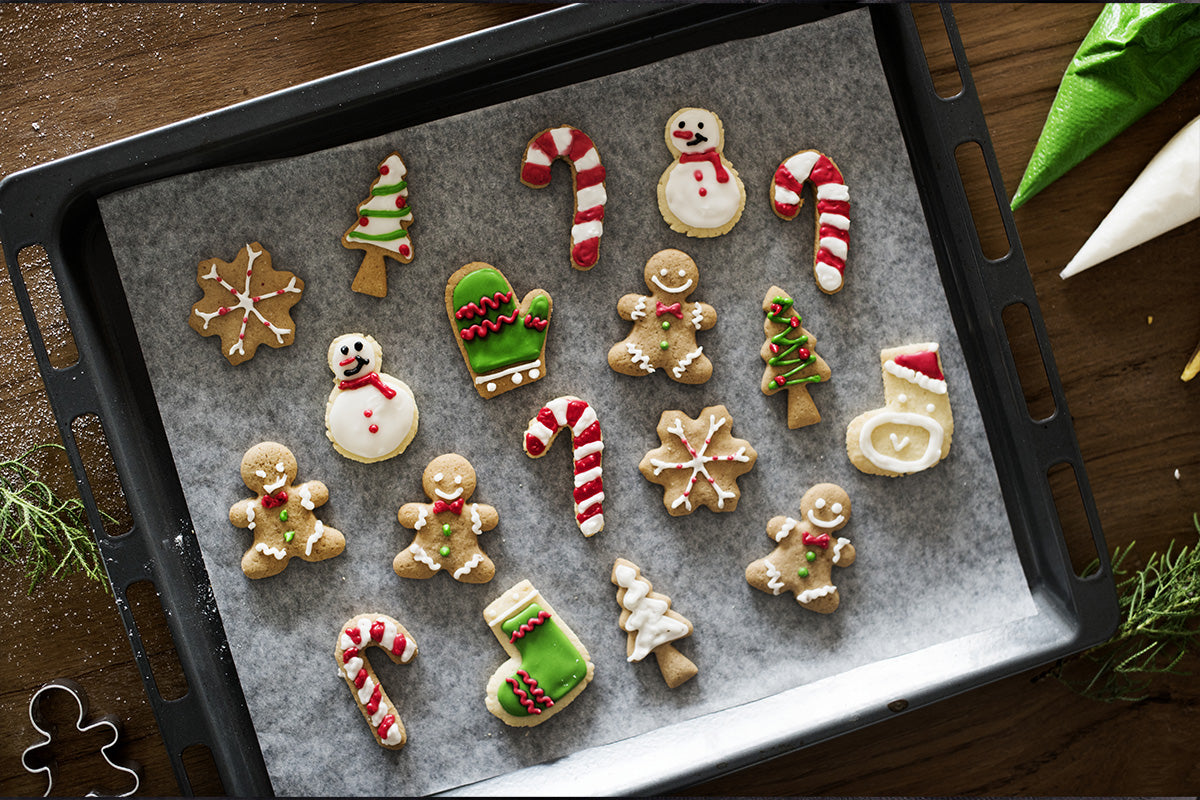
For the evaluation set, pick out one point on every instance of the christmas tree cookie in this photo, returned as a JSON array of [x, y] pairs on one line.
[[792, 361], [651, 624], [381, 230], [548, 665]]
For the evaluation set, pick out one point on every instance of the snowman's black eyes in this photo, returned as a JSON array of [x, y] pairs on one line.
[[358, 345], [681, 124], [699, 124], [345, 350]]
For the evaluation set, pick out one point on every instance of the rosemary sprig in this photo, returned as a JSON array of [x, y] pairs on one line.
[[1160, 624], [48, 534]]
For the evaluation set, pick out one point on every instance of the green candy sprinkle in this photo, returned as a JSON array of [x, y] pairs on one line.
[[664, 344], [283, 515], [810, 555], [287, 537], [445, 551], [803, 572], [446, 529], [666, 324]]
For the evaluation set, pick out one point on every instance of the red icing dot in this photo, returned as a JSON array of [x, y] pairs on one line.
[[363, 221], [405, 250], [267, 324], [779, 380], [698, 175], [401, 201], [703, 191], [775, 349], [776, 308], [222, 311], [383, 170], [794, 322], [241, 336], [802, 353], [249, 272], [368, 412], [373, 429]]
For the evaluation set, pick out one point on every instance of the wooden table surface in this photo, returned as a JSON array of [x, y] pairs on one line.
[[74, 77]]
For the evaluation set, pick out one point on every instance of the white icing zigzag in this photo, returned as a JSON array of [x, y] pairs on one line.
[[682, 366], [470, 565], [808, 595], [636, 355], [773, 576], [419, 554]]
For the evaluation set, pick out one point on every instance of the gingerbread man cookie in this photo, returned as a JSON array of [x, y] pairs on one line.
[[664, 324], [806, 551], [448, 528], [281, 515]]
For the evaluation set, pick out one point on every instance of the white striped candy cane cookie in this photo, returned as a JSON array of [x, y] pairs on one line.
[[587, 173], [833, 211], [580, 418], [359, 633]]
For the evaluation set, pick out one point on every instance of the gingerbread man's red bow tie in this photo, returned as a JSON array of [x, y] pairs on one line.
[[661, 308], [274, 501], [819, 541], [454, 505]]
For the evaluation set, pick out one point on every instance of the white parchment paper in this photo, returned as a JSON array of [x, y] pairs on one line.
[[936, 556]]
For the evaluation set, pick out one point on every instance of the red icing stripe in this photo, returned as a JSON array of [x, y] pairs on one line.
[[589, 214], [354, 635], [825, 172], [588, 435], [589, 177], [837, 233], [924, 362], [376, 696], [481, 329], [349, 654], [785, 178], [834, 207], [360, 678], [535, 174], [789, 210], [533, 445], [546, 417], [587, 252], [377, 630], [546, 144], [592, 511], [826, 257], [472, 310], [588, 489], [388, 722], [529, 625], [590, 461], [522, 696], [575, 409], [580, 144], [398, 644]]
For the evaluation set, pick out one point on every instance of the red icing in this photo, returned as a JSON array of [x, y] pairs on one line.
[[575, 409], [535, 174], [785, 178], [682, 134], [388, 721], [588, 435], [826, 257], [834, 207], [546, 144], [398, 644], [523, 696], [405, 250], [360, 678], [481, 329], [711, 156], [661, 308], [588, 489], [780, 380], [222, 311], [274, 501], [363, 221], [368, 412], [373, 428], [377, 695], [454, 506], [591, 511], [371, 378], [587, 252], [537, 323], [355, 635], [472, 310], [580, 144], [529, 625], [590, 461], [589, 214], [533, 445], [698, 175], [836, 233], [703, 191], [384, 169], [924, 362], [546, 417], [377, 630], [349, 653], [401, 201], [589, 177], [821, 540], [825, 172]]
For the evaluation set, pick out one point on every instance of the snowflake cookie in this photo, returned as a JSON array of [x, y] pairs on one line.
[[281, 514], [259, 312], [448, 528], [693, 449]]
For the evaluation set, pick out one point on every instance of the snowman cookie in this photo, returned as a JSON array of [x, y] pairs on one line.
[[447, 530], [700, 194], [281, 514], [370, 415], [912, 431], [806, 550], [664, 324]]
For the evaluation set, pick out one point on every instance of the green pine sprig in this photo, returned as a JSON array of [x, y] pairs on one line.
[[1160, 625], [47, 534]]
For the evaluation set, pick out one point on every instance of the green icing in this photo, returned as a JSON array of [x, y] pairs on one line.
[[788, 346], [549, 658], [513, 343], [385, 212], [391, 188], [399, 233]]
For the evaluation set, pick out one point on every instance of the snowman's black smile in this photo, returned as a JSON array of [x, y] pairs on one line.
[[361, 362], [700, 139]]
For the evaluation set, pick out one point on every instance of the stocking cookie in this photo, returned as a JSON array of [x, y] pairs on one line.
[[548, 665], [912, 431], [382, 228], [246, 303], [359, 633], [806, 551], [503, 344], [587, 174], [664, 323], [370, 415], [695, 449], [832, 216], [700, 194], [647, 616], [281, 514], [447, 530], [792, 361]]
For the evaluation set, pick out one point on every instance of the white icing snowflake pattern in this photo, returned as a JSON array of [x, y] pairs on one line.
[[719, 463]]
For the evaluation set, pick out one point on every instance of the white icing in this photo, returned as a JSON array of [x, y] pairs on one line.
[[558, 409], [587, 475], [636, 355], [930, 408], [773, 577], [820, 503], [671, 289], [536, 155], [801, 164], [591, 196], [438, 477], [912, 376], [833, 191], [420, 523], [587, 230], [788, 526], [588, 449], [519, 368], [833, 523], [247, 303], [260, 473], [698, 462], [588, 502], [716, 207], [269, 488], [306, 500], [648, 615], [250, 516], [785, 197], [466, 568], [933, 450], [318, 532], [898, 444], [476, 522], [589, 160], [267, 550], [517, 378], [697, 316], [394, 419], [808, 595], [491, 387], [562, 139], [902, 398], [639, 309], [686, 361], [828, 278], [835, 246], [837, 548], [839, 221], [447, 495], [385, 202], [592, 525], [420, 555]]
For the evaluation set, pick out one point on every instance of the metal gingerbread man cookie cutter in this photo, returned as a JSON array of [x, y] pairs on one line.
[[109, 721]]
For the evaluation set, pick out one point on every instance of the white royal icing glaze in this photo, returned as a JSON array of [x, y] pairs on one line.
[[639, 308], [476, 522], [685, 362], [250, 516], [420, 523], [898, 444], [318, 532], [269, 488], [773, 577], [719, 203], [306, 500], [808, 595], [636, 355], [833, 523], [788, 526], [837, 548], [466, 568], [648, 615], [394, 418], [419, 554], [267, 550], [933, 450]]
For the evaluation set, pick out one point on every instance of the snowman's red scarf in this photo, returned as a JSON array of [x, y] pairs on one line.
[[371, 378], [708, 155]]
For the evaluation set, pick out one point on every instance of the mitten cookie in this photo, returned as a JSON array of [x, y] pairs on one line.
[[382, 228], [548, 665], [664, 329], [246, 303], [587, 174], [700, 194], [698, 448], [281, 515], [448, 528], [503, 344], [652, 625], [359, 633], [912, 431], [370, 415], [792, 361], [806, 552], [832, 218]]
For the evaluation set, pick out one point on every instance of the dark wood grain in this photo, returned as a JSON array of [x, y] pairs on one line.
[[73, 77]]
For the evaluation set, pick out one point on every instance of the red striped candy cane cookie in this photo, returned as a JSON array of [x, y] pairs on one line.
[[359, 633], [576, 414], [587, 172], [833, 211]]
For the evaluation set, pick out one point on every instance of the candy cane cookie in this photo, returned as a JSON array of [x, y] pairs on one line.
[[587, 175], [833, 211], [587, 446], [359, 633]]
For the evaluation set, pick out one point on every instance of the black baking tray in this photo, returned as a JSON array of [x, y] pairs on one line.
[[55, 206]]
